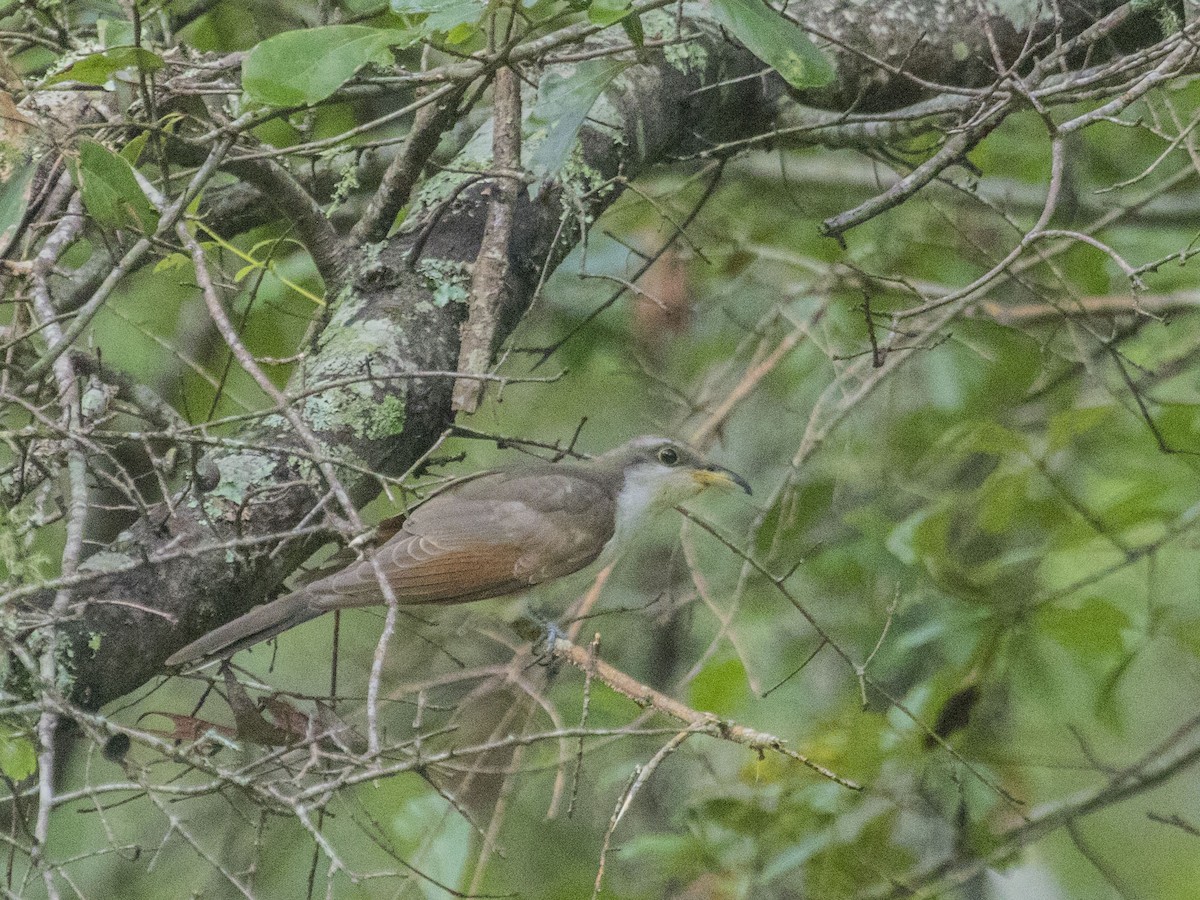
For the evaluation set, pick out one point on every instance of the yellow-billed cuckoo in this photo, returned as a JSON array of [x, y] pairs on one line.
[[495, 533]]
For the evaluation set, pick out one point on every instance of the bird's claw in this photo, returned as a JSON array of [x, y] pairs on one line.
[[548, 640], [543, 636]]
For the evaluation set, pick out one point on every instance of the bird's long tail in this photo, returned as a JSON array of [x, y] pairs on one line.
[[259, 624]]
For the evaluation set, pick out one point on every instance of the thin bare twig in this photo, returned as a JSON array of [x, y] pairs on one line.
[[701, 722]]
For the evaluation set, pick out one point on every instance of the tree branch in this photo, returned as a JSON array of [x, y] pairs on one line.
[[329, 252], [489, 277], [405, 168]]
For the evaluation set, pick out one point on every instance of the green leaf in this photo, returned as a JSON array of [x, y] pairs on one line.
[[776, 41], [562, 106], [987, 437], [605, 12], [462, 32], [18, 759], [172, 262], [633, 28], [111, 194], [303, 67], [1092, 631], [922, 534], [15, 191], [98, 68], [1002, 500], [114, 32], [442, 16], [1109, 708], [132, 151], [1066, 426]]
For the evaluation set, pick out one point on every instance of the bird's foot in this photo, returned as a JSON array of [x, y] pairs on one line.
[[543, 635], [548, 640]]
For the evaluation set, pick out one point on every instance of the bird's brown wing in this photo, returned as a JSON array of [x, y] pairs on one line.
[[483, 537], [490, 536]]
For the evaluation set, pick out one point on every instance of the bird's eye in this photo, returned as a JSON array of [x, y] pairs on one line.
[[668, 456]]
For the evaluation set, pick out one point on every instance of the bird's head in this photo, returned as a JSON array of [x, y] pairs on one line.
[[660, 473]]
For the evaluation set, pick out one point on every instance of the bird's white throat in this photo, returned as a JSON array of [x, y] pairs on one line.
[[648, 489]]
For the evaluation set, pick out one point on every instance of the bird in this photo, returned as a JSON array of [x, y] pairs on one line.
[[494, 533]]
